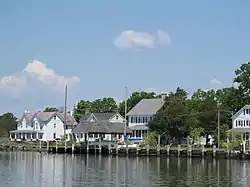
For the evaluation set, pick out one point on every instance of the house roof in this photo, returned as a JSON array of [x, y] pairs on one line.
[[101, 127], [139, 127], [99, 116], [46, 116], [146, 107], [240, 111]]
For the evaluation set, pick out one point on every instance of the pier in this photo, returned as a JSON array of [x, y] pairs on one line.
[[105, 148]]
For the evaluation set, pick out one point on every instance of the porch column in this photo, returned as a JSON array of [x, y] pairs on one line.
[[141, 133], [15, 135]]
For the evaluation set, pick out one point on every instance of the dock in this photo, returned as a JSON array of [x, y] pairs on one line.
[[59, 147]]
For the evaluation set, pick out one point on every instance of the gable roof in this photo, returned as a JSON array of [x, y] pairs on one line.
[[240, 111], [105, 127], [46, 116], [146, 107], [99, 116]]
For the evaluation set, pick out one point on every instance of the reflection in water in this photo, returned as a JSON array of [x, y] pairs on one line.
[[37, 170]]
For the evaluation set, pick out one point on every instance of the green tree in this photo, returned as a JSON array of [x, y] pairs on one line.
[[135, 98], [150, 139], [7, 123], [51, 109], [195, 133], [172, 117], [104, 105]]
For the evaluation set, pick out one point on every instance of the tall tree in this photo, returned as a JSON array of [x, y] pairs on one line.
[[172, 117]]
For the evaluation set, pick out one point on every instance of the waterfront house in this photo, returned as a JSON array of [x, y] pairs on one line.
[[140, 115], [241, 123], [44, 126], [107, 126]]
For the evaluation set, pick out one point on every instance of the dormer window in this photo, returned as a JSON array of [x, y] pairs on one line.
[[117, 117], [54, 117], [247, 111]]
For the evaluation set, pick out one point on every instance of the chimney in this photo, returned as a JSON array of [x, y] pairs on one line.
[[86, 110], [26, 111]]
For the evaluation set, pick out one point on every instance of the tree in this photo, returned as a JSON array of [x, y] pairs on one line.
[[150, 139], [172, 117], [135, 98], [7, 123], [51, 109], [104, 105], [195, 133]]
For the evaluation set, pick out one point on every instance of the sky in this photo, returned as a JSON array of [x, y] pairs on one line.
[[99, 47]]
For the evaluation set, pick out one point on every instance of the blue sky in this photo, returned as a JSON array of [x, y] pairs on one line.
[[98, 47]]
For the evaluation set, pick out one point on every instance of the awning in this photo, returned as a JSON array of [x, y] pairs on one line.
[[26, 131], [239, 130]]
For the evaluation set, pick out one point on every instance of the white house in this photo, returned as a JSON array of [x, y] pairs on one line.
[[241, 123], [108, 126], [141, 115], [43, 126]]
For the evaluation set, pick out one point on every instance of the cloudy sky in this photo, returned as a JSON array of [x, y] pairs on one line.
[[97, 48]]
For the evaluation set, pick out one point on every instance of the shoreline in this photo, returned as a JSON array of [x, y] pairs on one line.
[[126, 151]]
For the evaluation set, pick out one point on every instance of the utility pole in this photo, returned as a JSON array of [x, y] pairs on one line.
[[218, 136], [125, 127], [65, 110]]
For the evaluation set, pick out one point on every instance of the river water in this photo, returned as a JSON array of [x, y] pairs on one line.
[[27, 169]]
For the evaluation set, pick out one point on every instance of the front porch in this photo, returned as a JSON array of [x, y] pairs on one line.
[[26, 135], [80, 137], [138, 132]]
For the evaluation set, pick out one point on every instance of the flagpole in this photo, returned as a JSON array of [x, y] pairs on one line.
[[125, 128], [65, 110]]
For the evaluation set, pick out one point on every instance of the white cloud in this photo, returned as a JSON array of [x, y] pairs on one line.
[[136, 40], [35, 71], [215, 84]]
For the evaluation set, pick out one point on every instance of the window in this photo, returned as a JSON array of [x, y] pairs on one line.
[[236, 123], [247, 111], [139, 120], [36, 125], [54, 117], [54, 135], [90, 135], [32, 124], [117, 117], [244, 123], [55, 125], [96, 135], [247, 122], [120, 136]]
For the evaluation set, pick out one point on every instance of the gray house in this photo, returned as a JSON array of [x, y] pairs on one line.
[[141, 115], [108, 126]]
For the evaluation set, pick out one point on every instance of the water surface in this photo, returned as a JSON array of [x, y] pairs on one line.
[[26, 169]]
